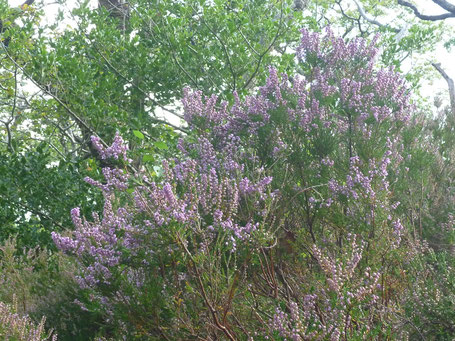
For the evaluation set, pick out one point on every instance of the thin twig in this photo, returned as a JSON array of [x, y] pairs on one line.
[[223, 328], [223, 45], [262, 55]]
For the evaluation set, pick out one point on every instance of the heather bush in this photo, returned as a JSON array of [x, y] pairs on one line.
[[277, 220], [331, 140], [17, 276], [168, 244], [424, 187], [16, 327], [38, 283]]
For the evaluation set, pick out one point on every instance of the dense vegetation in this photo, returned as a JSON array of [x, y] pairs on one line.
[[306, 194]]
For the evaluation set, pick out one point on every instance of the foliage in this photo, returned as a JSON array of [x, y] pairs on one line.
[[38, 283], [37, 196], [115, 70], [318, 206], [318, 249], [430, 307], [20, 328]]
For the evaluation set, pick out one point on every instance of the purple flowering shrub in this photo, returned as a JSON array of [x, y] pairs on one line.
[[332, 134], [195, 219], [277, 220], [331, 142]]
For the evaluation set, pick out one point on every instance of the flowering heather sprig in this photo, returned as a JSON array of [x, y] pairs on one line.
[[318, 315], [209, 194], [117, 149], [227, 156], [115, 179], [337, 273], [398, 230], [98, 240], [364, 181], [14, 326], [208, 197]]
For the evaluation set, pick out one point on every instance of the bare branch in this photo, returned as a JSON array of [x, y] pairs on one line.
[[356, 20], [371, 20], [446, 5], [9, 137], [28, 3], [278, 32], [424, 16], [344, 13], [7, 124], [450, 83]]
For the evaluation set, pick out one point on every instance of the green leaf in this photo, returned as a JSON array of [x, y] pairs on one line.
[[138, 134], [161, 145], [148, 157]]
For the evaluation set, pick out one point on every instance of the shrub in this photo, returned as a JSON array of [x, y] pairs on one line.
[[277, 219], [38, 283], [16, 327]]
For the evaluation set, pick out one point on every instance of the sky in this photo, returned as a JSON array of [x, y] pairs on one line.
[[441, 55]]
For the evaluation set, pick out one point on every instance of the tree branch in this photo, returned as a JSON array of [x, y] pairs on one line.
[[446, 5], [118, 73], [13, 110], [450, 83], [43, 88], [356, 20], [42, 215], [212, 309], [223, 46], [28, 2], [278, 32], [428, 17], [371, 20]]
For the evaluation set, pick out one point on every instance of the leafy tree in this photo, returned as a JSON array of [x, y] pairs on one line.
[[116, 69]]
